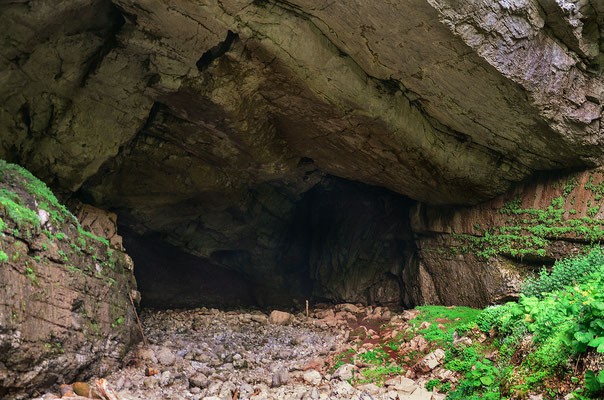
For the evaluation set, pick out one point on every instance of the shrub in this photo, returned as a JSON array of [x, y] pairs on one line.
[[566, 272], [563, 312]]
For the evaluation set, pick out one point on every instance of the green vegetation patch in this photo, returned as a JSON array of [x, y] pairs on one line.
[[558, 319], [16, 210], [13, 175], [450, 319], [529, 231], [378, 374]]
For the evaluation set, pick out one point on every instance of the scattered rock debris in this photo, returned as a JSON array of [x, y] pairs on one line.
[[206, 354]]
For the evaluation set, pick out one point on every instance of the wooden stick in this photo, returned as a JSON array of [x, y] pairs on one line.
[[236, 395], [307, 315], [138, 321], [255, 394]]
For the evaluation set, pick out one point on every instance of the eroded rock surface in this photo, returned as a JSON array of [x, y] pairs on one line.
[[209, 125], [64, 306], [477, 255], [431, 107]]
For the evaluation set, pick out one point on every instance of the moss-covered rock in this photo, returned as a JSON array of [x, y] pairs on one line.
[[484, 249], [64, 306]]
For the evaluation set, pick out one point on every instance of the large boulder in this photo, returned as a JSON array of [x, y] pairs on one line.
[[64, 306]]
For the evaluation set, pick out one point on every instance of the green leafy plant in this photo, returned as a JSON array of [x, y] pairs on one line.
[[594, 383], [565, 272], [460, 319], [481, 382]]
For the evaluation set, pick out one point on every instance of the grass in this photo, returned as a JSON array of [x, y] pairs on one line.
[[451, 318], [378, 374]]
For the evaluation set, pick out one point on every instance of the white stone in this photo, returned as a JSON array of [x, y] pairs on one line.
[[402, 384], [165, 356], [420, 394], [431, 361], [313, 377], [344, 372]]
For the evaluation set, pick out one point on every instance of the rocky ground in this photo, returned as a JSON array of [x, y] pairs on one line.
[[335, 353]]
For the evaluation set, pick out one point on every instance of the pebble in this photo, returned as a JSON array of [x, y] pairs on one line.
[[165, 356], [281, 377], [209, 355], [198, 380]]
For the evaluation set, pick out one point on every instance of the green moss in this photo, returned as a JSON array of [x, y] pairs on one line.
[[16, 211], [13, 175], [92, 236], [3, 256], [30, 273]]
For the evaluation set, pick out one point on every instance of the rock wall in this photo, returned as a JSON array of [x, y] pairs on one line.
[[64, 306], [476, 255], [437, 106], [208, 123]]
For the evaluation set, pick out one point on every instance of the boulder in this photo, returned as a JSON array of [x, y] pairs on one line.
[[344, 372], [431, 361], [420, 394], [402, 385], [347, 307], [280, 317], [312, 377]]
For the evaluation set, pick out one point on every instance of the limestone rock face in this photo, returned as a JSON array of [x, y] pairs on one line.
[[432, 107], [98, 222], [208, 123], [476, 255], [64, 307]]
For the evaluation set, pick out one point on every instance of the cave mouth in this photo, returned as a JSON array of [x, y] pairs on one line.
[[340, 241]]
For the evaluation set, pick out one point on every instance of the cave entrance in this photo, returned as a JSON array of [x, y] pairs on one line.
[[340, 241]]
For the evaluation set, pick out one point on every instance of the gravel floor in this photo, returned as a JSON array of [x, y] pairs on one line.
[[215, 355]]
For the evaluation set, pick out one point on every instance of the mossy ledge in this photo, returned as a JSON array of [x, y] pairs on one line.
[[500, 241]]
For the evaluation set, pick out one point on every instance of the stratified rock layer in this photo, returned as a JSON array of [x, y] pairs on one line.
[[449, 104], [64, 306], [476, 255]]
